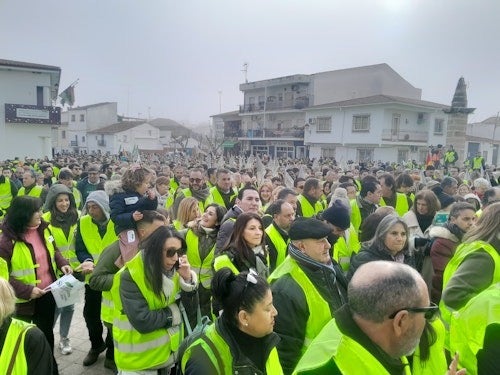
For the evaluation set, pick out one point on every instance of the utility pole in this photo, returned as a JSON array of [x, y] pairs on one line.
[[245, 71], [220, 101]]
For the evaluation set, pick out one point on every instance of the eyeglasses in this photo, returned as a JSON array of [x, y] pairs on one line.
[[251, 279], [197, 180], [430, 312], [171, 252]]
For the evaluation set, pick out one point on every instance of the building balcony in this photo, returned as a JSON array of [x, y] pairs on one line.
[[101, 143], [32, 114], [289, 134], [73, 143], [273, 105], [392, 135]]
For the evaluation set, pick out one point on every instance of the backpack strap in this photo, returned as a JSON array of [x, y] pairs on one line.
[[16, 349], [214, 350]]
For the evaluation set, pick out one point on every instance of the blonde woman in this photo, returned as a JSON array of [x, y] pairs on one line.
[[189, 210]]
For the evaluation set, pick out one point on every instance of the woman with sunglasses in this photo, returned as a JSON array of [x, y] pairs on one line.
[[242, 340], [147, 325]]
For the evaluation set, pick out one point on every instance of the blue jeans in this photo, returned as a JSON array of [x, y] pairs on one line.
[[66, 313]]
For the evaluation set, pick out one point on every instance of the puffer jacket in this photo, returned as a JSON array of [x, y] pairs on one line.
[[124, 203]]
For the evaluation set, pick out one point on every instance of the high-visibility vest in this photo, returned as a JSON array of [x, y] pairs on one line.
[[216, 197], [135, 350], [4, 269], [35, 191], [401, 204], [202, 267], [461, 253], [22, 266], [15, 335], [223, 356], [350, 357], [222, 261], [468, 326], [436, 363], [92, 239], [477, 162], [343, 251], [355, 215], [78, 197], [279, 243], [307, 209], [66, 245], [5, 194], [319, 310]]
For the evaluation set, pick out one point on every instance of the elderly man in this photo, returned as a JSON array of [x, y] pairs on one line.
[[382, 324], [277, 239], [307, 288]]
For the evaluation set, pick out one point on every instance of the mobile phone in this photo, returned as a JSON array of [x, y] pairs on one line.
[[177, 265]]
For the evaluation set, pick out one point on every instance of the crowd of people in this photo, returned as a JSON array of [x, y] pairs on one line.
[[303, 266]]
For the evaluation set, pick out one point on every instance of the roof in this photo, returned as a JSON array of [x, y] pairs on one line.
[[90, 106], [118, 127], [27, 65], [225, 114], [380, 99], [168, 124]]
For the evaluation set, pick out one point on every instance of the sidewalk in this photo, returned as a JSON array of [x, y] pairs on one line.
[[72, 364]]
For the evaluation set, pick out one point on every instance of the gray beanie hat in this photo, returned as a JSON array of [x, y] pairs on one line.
[[100, 198]]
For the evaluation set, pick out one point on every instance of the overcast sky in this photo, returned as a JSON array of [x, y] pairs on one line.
[[172, 58]]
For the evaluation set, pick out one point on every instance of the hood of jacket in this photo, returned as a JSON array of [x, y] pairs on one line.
[[113, 187], [52, 194]]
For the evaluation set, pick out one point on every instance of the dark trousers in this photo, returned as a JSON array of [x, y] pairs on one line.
[[92, 316], [43, 318], [110, 352]]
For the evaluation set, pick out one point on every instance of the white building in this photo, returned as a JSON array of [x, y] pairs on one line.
[[27, 94], [379, 127], [484, 137], [124, 136]]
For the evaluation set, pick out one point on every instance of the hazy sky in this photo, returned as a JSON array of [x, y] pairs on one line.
[[175, 56]]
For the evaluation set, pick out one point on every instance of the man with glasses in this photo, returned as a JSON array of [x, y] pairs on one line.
[[307, 288], [381, 325], [76, 169], [197, 189]]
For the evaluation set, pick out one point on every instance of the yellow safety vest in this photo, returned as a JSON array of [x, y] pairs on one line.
[[4, 269], [343, 251], [35, 191], [222, 261], [202, 267], [135, 350], [307, 209], [92, 239], [78, 197], [319, 310], [355, 215], [350, 357], [66, 245], [22, 266], [468, 326], [187, 193], [216, 197], [279, 243], [401, 204], [17, 332], [436, 363], [5, 194], [223, 354]]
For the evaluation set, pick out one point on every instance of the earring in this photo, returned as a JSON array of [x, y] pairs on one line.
[[246, 324]]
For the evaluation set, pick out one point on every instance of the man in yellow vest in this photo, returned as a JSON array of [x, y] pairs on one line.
[[24, 348], [401, 202], [30, 186], [197, 189], [95, 231], [277, 239], [8, 191], [102, 276], [383, 323], [309, 201], [307, 288], [222, 193], [366, 202]]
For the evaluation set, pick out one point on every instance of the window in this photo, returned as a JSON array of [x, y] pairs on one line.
[[324, 124], [82, 118], [365, 154], [361, 123], [328, 152], [150, 133], [438, 126], [261, 101], [63, 134], [73, 118], [39, 96], [83, 139]]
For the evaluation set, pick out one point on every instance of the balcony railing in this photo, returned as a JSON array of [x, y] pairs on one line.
[[297, 103], [73, 143], [271, 133], [404, 135], [101, 143]]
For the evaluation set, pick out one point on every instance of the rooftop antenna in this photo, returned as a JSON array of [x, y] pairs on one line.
[[245, 71]]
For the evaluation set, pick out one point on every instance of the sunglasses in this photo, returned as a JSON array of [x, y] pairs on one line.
[[171, 252], [429, 312], [251, 279], [198, 180]]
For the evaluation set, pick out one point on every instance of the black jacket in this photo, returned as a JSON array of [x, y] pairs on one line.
[[293, 311]]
